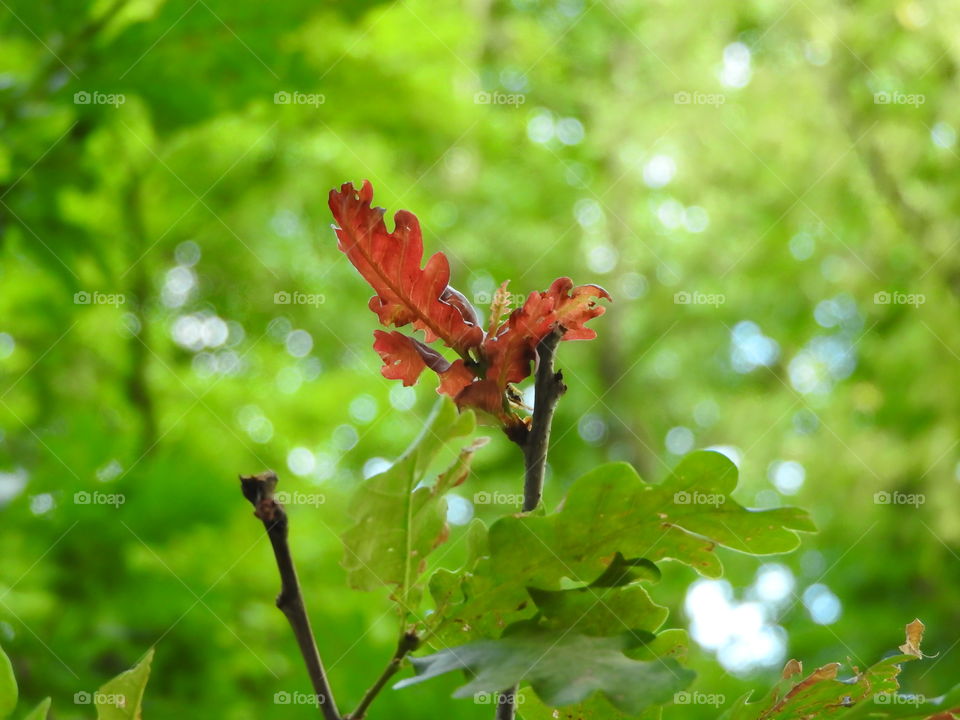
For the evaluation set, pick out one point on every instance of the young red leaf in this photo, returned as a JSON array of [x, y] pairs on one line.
[[404, 358], [573, 309], [390, 262], [455, 379], [511, 349], [408, 294]]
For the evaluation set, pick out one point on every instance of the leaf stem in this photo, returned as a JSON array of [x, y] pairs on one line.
[[548, 388], [407, 644], [259, 489]]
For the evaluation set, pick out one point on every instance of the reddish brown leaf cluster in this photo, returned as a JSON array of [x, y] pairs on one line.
[[490, 362]]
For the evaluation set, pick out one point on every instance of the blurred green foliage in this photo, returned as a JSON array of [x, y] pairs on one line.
[[777, 164]]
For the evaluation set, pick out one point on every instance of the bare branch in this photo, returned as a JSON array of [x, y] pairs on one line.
[[259, 489]]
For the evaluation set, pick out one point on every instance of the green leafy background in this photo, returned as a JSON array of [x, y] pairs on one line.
[[733, 151]]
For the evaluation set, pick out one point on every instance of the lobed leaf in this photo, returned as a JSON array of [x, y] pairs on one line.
[[390, 262], [611, 510], [561, 670], [398, 519]]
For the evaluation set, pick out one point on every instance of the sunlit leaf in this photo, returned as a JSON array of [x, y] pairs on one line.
[[8, 686], [399, 518], [122, 697], [40, 712]]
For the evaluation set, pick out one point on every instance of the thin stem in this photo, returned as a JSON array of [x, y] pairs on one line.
[[258, 489], [407, 644], [548, 387]]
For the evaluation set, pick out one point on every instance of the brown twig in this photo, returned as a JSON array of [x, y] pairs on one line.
[[409, 642], [548, 388], [258, 489]]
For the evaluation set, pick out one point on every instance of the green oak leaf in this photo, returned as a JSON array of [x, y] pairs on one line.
[[8, 686], [40, 712], [611, 510], [561, 669], [121, 698], [612, 604], [596, 707], [668, 644], [445, 585], [398, 519]]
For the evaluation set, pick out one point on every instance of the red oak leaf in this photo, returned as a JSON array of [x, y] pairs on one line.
[[404, 358], [454, 380], [489, 363], [390, 262]]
